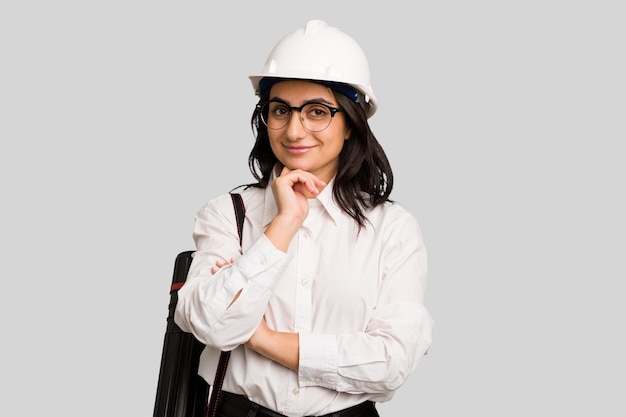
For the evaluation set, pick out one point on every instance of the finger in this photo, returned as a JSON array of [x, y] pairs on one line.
[[302, 189], [311, 180], [310, 186]]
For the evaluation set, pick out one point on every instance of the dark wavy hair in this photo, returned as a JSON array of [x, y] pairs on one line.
[[364, 177]]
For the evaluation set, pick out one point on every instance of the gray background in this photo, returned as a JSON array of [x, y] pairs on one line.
[[504, 122]]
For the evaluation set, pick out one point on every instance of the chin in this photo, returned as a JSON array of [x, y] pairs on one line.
[[291, 164]]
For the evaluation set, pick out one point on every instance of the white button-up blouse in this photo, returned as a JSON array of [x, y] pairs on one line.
[[355, 297]]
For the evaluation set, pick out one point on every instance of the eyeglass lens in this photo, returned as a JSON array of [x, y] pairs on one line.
[[315, 117]]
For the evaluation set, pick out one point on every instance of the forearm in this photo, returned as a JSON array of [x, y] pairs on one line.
[[281, 230], [281, 347], [215, 309]]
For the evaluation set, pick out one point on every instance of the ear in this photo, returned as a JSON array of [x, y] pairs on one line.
[[347, 135]]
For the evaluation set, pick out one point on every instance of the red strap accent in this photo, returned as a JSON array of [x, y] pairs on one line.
[[176, 286]]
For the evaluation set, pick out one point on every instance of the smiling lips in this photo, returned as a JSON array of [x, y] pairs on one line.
[[297, 150]]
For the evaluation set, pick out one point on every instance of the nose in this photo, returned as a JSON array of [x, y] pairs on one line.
[[295, 128]]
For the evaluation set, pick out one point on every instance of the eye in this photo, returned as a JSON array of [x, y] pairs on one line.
[[316, 111], [279, 111]]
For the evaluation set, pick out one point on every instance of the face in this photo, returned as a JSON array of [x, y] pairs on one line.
[[296, 147]]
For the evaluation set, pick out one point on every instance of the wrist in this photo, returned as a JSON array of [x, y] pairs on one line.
[[281, 230]]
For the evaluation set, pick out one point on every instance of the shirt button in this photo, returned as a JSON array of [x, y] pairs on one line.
[[304, 282], [317, 380], [307, 234], [296, 391]]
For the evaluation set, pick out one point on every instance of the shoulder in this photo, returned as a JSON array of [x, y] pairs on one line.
[[392, 211], [222, 204], [394, 220]]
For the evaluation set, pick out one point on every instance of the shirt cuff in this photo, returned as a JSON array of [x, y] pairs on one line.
[[262, 262], [318, 360]]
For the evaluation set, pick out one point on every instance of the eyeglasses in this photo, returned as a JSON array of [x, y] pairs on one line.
[[314, 116]]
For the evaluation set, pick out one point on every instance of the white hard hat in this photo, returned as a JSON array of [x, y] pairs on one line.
[[321, 53]]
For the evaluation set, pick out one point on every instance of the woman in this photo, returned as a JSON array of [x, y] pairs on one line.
[[323, 309]]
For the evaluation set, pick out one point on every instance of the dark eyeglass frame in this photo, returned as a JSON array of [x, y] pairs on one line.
[[331, 109]]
